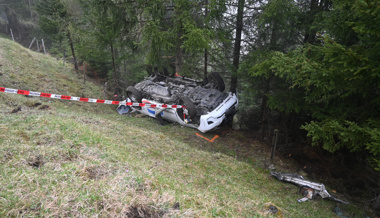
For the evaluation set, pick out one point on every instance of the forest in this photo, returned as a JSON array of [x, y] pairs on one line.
[[309, 68]]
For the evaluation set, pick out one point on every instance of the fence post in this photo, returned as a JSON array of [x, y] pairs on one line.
[[274, 144], [43, 45], [13, 38], [38, 46], [34, 39], [84, 72], [64, 58]]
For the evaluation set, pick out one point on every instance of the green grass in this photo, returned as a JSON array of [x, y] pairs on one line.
[[83, 159]]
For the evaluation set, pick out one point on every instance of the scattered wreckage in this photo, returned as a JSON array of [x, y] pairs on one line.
[[206, 104], [308, 189]]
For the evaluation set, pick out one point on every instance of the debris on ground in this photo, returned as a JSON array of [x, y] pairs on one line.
[[308, 189], [207, 139]]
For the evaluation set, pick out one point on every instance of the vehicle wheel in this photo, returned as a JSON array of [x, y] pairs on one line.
[[134, 94], [190, 107], [216, 81]]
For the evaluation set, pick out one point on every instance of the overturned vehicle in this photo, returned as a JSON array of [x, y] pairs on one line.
[[206, 104]]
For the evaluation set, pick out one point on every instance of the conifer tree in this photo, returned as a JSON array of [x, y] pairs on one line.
[[340, 79], [56, 19]]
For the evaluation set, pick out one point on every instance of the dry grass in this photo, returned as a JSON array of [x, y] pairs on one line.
[[61, 158]]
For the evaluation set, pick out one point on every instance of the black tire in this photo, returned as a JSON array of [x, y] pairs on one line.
[[216, 81], [134, 94], [190, 107]]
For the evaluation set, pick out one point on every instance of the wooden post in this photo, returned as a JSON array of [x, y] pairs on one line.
[[274, 144], [38, 47], [34, 39], [64, 57], [43, 45], [13, 38], [84, 72], [105, 90]]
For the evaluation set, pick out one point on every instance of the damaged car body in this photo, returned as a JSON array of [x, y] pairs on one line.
[[206, 104], [308, 189]]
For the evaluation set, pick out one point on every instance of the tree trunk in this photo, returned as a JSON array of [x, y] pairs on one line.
[[72, 51], [237, 45], [114, 66], [178, 55], [273, 37], [309, 33], [206, 52], [30, 9], [205, 63], [266, 81], [264, 109]]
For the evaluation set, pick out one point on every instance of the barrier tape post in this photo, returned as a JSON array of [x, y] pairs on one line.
[[91, 100]]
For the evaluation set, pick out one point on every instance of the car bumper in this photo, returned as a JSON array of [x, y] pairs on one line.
[[216, 117]]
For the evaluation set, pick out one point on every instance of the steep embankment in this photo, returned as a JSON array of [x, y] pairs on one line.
[[64, 158]]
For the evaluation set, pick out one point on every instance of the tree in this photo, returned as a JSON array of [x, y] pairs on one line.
[[277, 31], [237, 45], [110, 40], [57, 20], [18, 16], [340, 79], [111, 21], [172, 28]]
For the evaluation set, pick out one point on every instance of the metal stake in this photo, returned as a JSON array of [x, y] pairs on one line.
[[274, 144]]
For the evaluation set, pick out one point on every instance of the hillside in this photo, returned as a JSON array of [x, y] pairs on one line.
[[64, 158]]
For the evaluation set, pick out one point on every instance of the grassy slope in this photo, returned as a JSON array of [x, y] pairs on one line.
[[82, 159]]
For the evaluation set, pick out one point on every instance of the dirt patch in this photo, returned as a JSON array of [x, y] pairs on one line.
[[271, 209], [36, 161], [16, 110], [94, 172], [36, 104], [176, 206], [142, 211], [44, 107]]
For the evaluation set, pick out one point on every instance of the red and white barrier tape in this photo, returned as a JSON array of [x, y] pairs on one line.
[[92, 100]]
